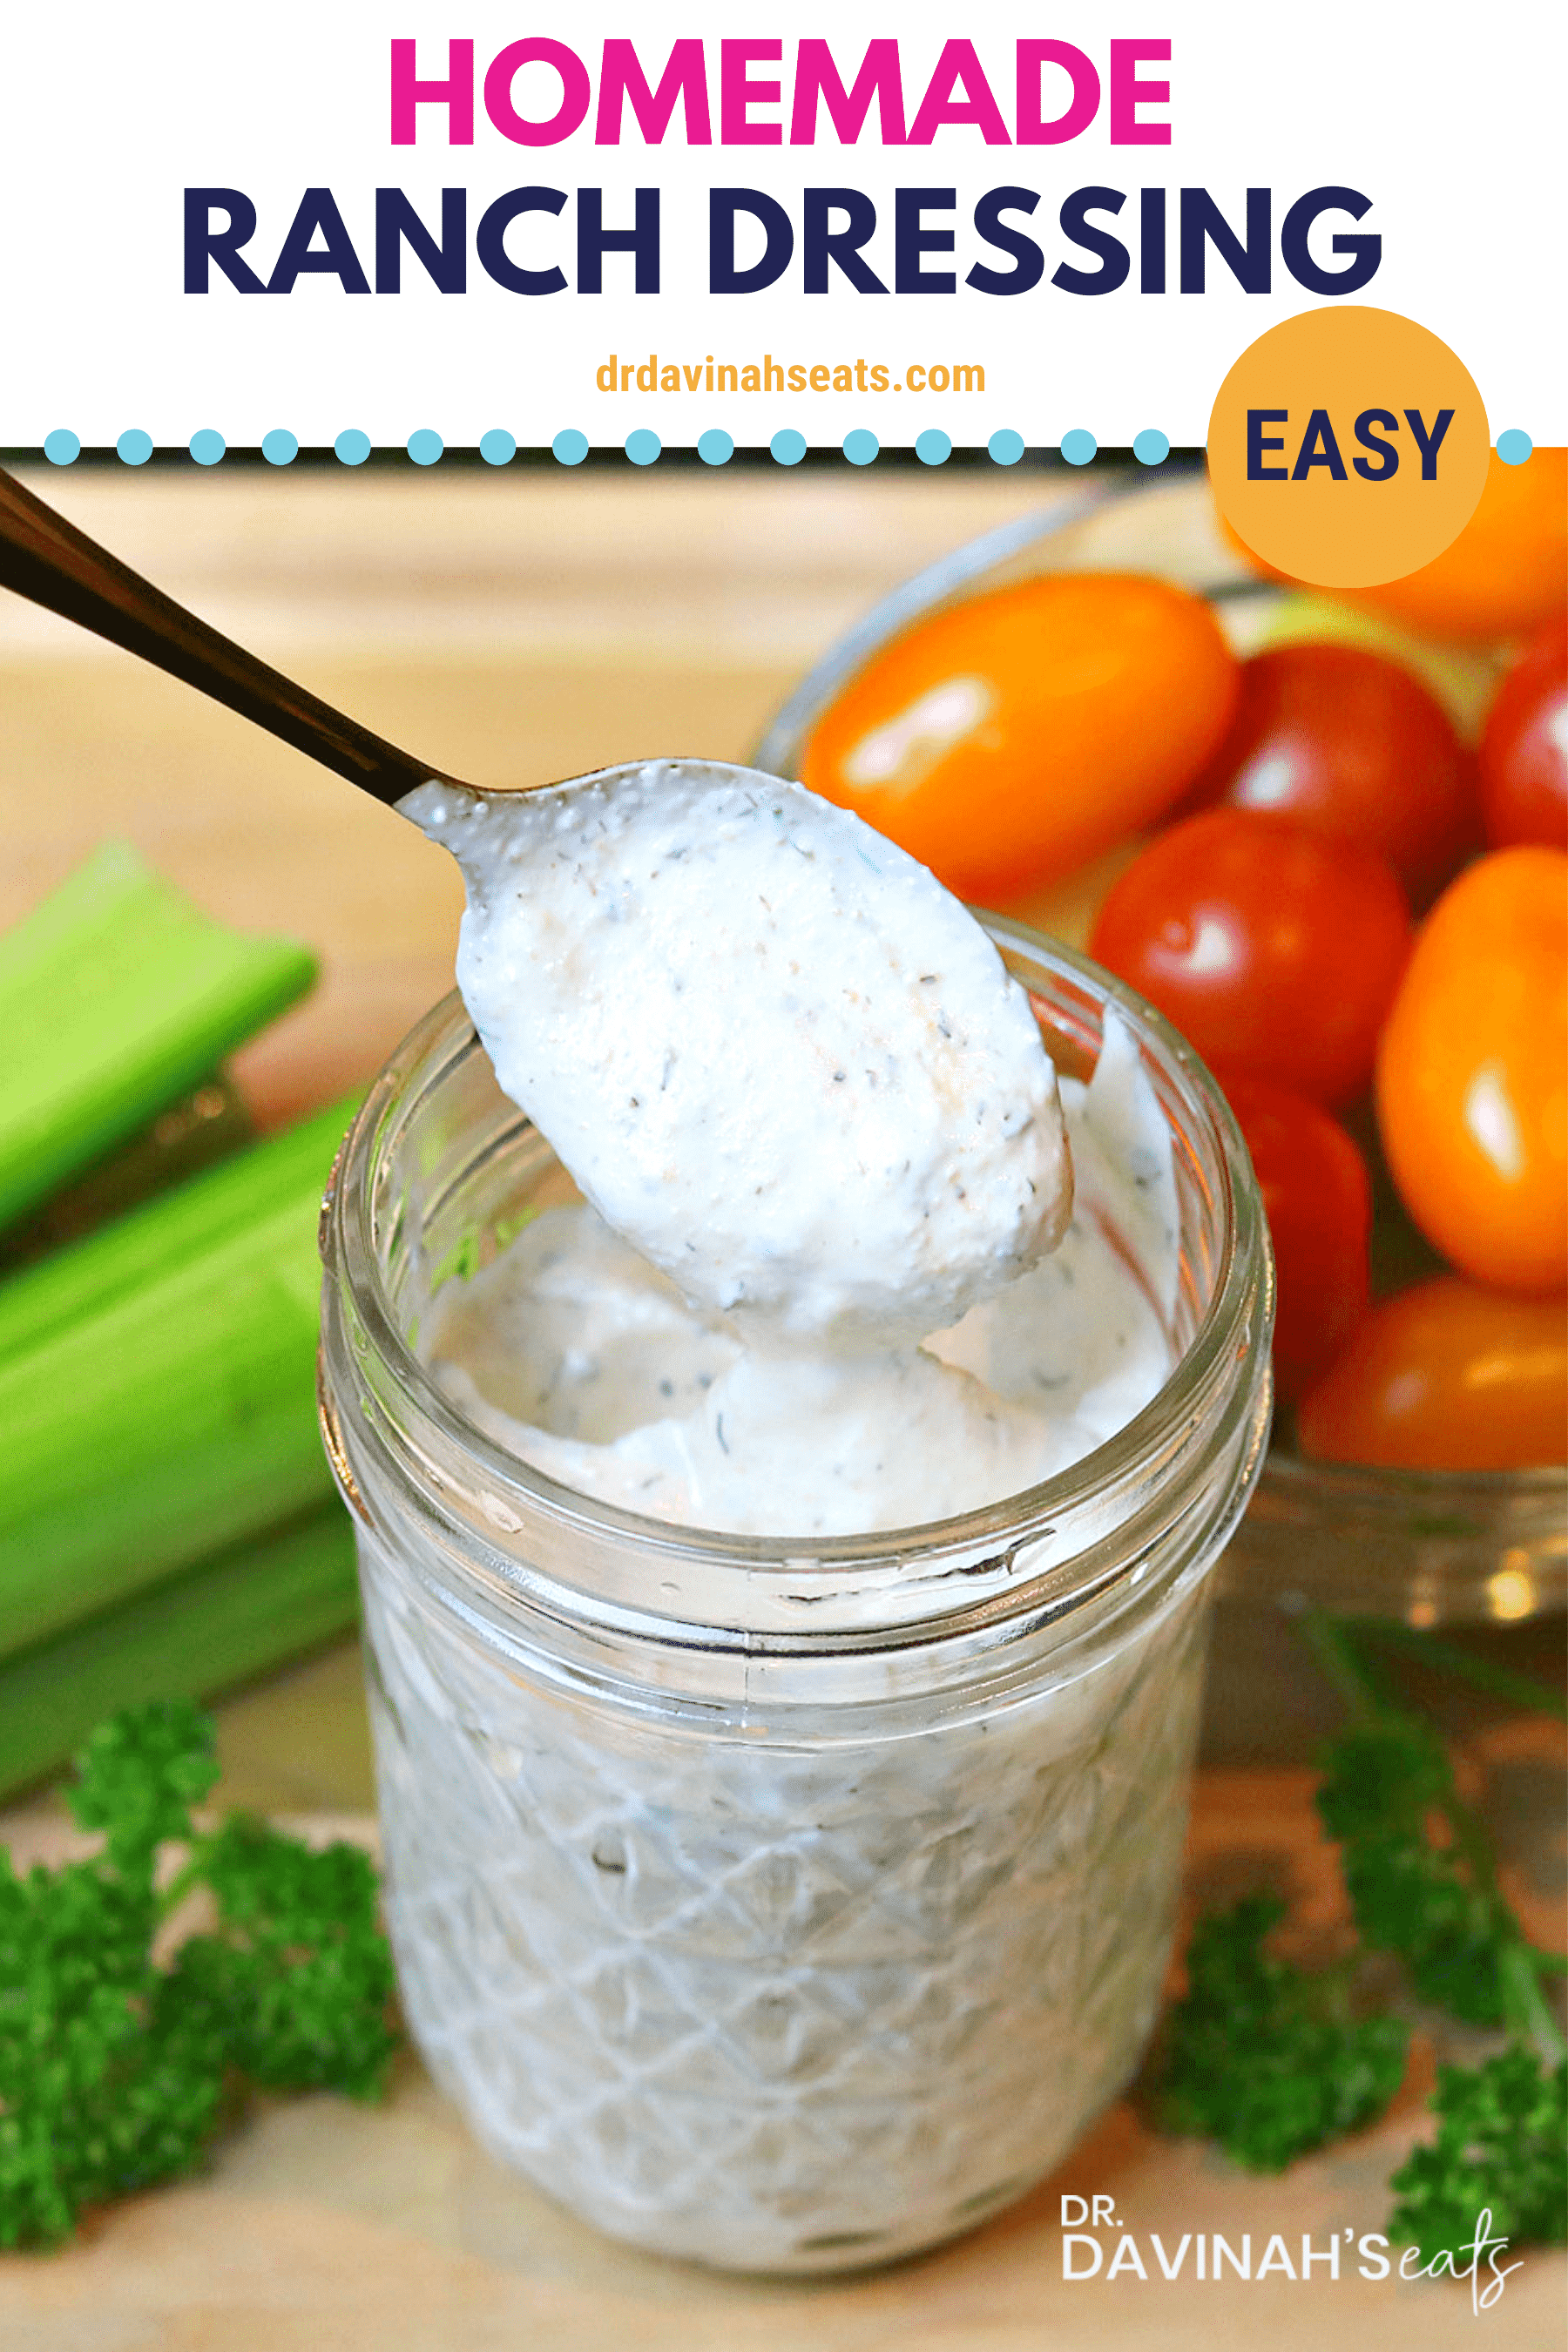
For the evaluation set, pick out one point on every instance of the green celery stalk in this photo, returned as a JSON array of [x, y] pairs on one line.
[[117, 996], [171, 1410], [188, 1137], [88, 1274], [194, 1636]]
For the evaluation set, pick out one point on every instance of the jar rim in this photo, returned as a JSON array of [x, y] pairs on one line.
[[1194, 1391]]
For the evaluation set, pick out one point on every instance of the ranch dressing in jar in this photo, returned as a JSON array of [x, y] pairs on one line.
[[784, 1627], [817, 1125]]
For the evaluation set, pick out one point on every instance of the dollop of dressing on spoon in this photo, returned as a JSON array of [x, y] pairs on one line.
[[816, 1123], [777, 1056]]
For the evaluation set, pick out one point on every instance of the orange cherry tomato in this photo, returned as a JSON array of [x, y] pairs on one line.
[[1449, 1376], [1472, 1072], [1006, 740], [1503, 575]]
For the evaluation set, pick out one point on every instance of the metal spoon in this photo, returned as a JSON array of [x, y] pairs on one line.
[[49, 561], [733, 1059]]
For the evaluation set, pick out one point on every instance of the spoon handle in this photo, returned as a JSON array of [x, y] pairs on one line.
[[49, 561]]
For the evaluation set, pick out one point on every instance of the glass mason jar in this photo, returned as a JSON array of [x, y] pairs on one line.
[[787, 1905]]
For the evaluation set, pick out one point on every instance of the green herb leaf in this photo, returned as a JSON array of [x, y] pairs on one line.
[[105, 2085], [115, 2073], [1431, 1903], [1501, 2147], [138, 1776], [1267, 2058], [300, 1974]]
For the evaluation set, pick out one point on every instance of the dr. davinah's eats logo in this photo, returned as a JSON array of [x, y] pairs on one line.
[[1087, 2254]]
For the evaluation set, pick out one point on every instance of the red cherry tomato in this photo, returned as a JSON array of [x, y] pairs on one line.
[[1275, 951], [1449, 1376], [1355, 746], [1318, 1198], [1319, 1204], [1524, 747]]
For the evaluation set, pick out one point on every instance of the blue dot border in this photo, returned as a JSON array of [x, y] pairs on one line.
[[713, 447]]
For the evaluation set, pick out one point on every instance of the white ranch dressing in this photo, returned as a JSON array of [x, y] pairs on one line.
[[771, 1993], [829, 1279]]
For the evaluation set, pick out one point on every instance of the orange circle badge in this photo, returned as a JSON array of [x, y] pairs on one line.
[[1348, 446]]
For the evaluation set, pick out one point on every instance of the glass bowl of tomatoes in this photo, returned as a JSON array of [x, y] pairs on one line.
[[1330, 841]]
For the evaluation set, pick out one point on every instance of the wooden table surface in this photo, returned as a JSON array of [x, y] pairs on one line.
[[521, 626]]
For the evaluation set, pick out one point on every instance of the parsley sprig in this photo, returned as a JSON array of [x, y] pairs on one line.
[[1269, 2059], [117, 2069], [1272, 2060]]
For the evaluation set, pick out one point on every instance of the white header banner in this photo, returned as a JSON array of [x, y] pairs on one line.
[[350, 218]]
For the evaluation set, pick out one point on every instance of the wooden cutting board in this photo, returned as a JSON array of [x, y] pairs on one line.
[[323, 2225]]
